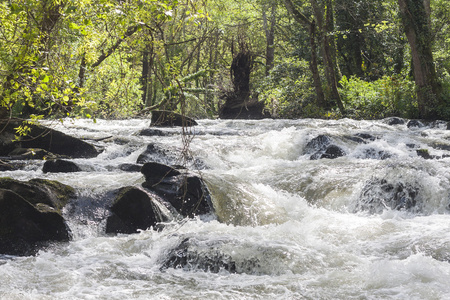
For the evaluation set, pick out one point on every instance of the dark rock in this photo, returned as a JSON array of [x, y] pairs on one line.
[[155, 172], [25, 228], [189, 255], [60, 166], [40, 137], [379, 194], [27, 154], [11, 165], [165, 118], [361, 138], [186, 193], [415, 123], [372, 153], [321, 148], [366, 136], [394, 121], [134, 209], [424, 154], [440, 146], [153, 132], [333, 152], [130, 167], [245, 111], [48, 192], [154, 153], [319, 143]]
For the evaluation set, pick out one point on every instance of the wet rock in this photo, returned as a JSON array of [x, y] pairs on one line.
[[48, 192], [415, 124], [394, 121], [379, 194], [133, 210], [25, 228], [60, 166], [319, 143], [40, 137], [165, 118], [186, 193], [189, 255], [153, 132], [155, 172], [6, 165], [362, 138], [29, 153], [321, 147], [372, 153], [333, 152], [130, 167], [249, 110], [440, 146], [425, 154], [155, 153]]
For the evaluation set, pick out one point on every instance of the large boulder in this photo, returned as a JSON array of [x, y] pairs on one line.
[[134, 209], [25, 228], [41, 137], [185, 192], [164, 118], [48, 192]]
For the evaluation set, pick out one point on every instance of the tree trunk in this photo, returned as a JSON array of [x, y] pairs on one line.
[[416, 21], [311, 27], [270, 37], [327, 49], [145, 75]]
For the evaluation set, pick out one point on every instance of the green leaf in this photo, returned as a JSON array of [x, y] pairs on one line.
[[45, 79]]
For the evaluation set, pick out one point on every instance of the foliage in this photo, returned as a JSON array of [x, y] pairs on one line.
[[288, 92], [112, 59], [387, 96]]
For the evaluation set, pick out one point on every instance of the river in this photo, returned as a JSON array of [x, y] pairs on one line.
[[295, 228]]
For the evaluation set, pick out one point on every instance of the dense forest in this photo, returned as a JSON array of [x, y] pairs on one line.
[[361, 59]]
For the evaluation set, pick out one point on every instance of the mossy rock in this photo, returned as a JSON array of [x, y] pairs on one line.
[[25, 228], [49, 192]]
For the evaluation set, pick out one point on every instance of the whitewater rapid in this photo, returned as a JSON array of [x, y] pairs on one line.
[[293, 227]]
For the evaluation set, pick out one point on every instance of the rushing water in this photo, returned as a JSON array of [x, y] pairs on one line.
[[294, 227]]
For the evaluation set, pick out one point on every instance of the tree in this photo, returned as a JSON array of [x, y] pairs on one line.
[[417, 26], [310, 25]]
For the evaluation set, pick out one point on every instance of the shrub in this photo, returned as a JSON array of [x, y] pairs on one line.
[[387, 96]]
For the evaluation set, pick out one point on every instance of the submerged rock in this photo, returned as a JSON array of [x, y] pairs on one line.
[[188, 256], [60, 166], [379, 194], [165, 118], [25, 228], [153, 132], [133, 210]]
